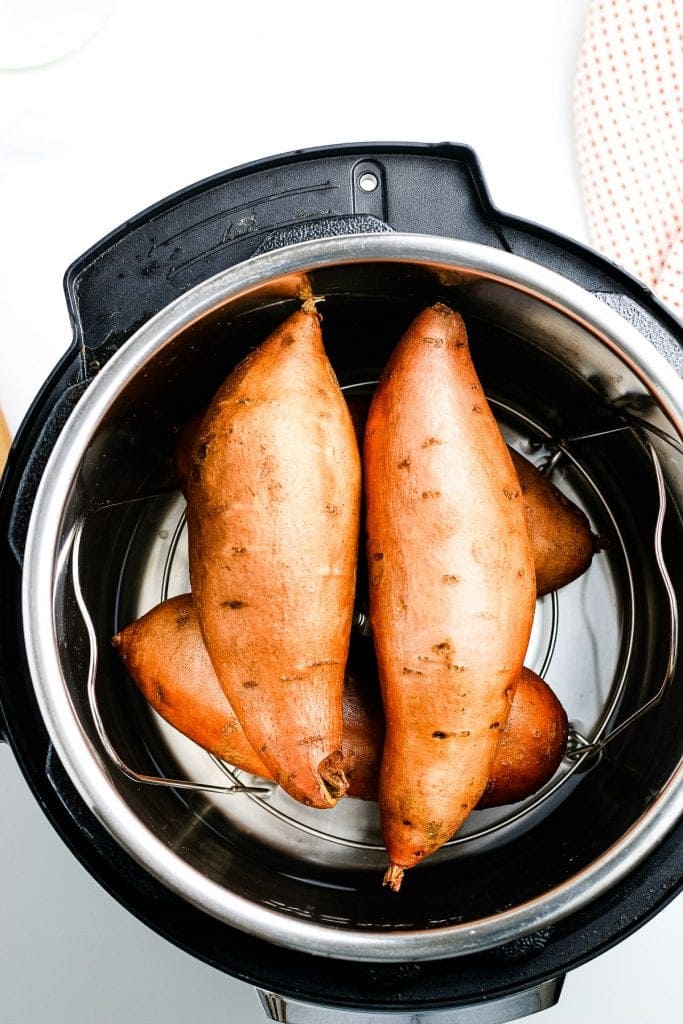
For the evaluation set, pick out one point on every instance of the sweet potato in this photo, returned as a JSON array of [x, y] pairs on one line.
[[451, 579], [273, 511], [531, 746], [532, 743], [560, 535], [561, 539], [165, 654]]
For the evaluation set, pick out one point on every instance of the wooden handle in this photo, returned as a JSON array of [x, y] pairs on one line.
[[5, 441]]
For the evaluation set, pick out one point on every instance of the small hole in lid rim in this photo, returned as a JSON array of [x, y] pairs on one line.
[[368, 182]]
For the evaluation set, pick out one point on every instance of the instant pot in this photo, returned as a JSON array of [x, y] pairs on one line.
[[582, 367]]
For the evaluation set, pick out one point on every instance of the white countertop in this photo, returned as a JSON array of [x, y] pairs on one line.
[[165, 94]]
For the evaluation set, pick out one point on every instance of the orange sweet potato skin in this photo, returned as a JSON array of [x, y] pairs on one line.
[[165, 654], [561, 540], [559, 532], [531, 746], [452, 587], [273, 509]]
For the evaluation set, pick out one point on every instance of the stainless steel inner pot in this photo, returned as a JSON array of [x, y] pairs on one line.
[[557, 364]]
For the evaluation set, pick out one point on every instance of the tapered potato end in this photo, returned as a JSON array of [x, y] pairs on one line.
[[393, 877], [560, 534], [334, 781]]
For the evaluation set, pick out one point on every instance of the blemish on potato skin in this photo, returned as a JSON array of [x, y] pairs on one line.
[[431, 441], [457, 668], [477, 409], [327, 661], [404, 464], [182, 619], [412, 672], [438, 735], [233, 603], [450, 578], [431, 494], [202, 449], [291, 679], [378, 556], [159, 695], [463, 733], [433, 830], [198, 457], [401, 605], [510, 494], [239, 551], [308, 741], [332, 510], [445, 645], [494, 725], [287, 340], [408, 823], [249, 684]]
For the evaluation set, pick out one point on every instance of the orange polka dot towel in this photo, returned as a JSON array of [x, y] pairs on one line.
[[628, 107]]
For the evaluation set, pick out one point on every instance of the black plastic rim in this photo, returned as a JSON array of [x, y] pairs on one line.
[[461, 208]]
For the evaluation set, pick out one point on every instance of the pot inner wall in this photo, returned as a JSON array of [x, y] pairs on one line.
[[601, 642]]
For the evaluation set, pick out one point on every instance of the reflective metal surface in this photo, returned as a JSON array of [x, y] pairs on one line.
[[493, 1011], [561, 364], [335, 837]]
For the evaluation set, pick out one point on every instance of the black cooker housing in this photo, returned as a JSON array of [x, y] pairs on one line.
[[111, 291]]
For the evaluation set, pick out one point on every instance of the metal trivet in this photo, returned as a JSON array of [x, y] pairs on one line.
[[579, 747]]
